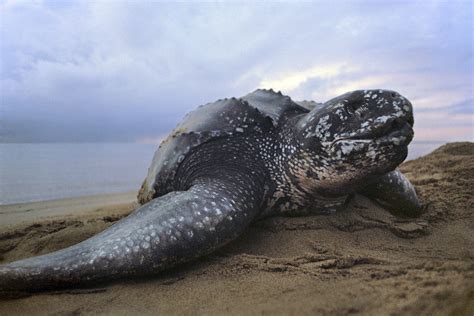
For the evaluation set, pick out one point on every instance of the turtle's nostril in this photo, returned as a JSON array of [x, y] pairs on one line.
[[394, 94], [353, 106]]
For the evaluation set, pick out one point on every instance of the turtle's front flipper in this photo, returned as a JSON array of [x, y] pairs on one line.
[[395, 192], [168, 230]]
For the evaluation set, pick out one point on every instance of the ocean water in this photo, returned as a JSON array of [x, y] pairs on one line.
[[47, 171]]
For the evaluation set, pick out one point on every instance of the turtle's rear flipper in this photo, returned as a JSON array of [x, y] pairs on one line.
[[168, 230], [394, 192]]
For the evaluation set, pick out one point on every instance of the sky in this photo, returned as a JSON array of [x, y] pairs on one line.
[[86, 71]]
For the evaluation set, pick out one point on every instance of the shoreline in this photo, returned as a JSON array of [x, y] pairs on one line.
[[18, 213], [86, 196]]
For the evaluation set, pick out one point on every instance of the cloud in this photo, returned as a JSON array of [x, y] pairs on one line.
[[89, 71]]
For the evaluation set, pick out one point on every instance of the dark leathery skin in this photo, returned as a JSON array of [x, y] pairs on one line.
[[231, 162]]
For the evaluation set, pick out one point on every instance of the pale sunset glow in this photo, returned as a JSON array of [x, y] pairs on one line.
[[288, 82]]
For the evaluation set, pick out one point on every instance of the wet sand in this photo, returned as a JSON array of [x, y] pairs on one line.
[[14, 214], [359, 261]]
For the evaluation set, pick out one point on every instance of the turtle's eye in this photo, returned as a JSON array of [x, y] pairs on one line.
[[352, 107]]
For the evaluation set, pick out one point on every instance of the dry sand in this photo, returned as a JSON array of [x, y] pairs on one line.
[[359, 261]]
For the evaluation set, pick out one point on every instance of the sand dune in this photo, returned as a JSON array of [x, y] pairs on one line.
[[359, 261]]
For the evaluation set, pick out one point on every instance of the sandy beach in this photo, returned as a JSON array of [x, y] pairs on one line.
[[359, 261]]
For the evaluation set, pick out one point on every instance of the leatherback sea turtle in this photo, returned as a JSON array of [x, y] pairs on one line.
[[231, 162]]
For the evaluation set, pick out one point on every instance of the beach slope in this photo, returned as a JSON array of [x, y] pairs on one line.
[[360, 261]]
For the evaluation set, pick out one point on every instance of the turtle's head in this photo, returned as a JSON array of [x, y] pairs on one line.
[[354, 137]]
